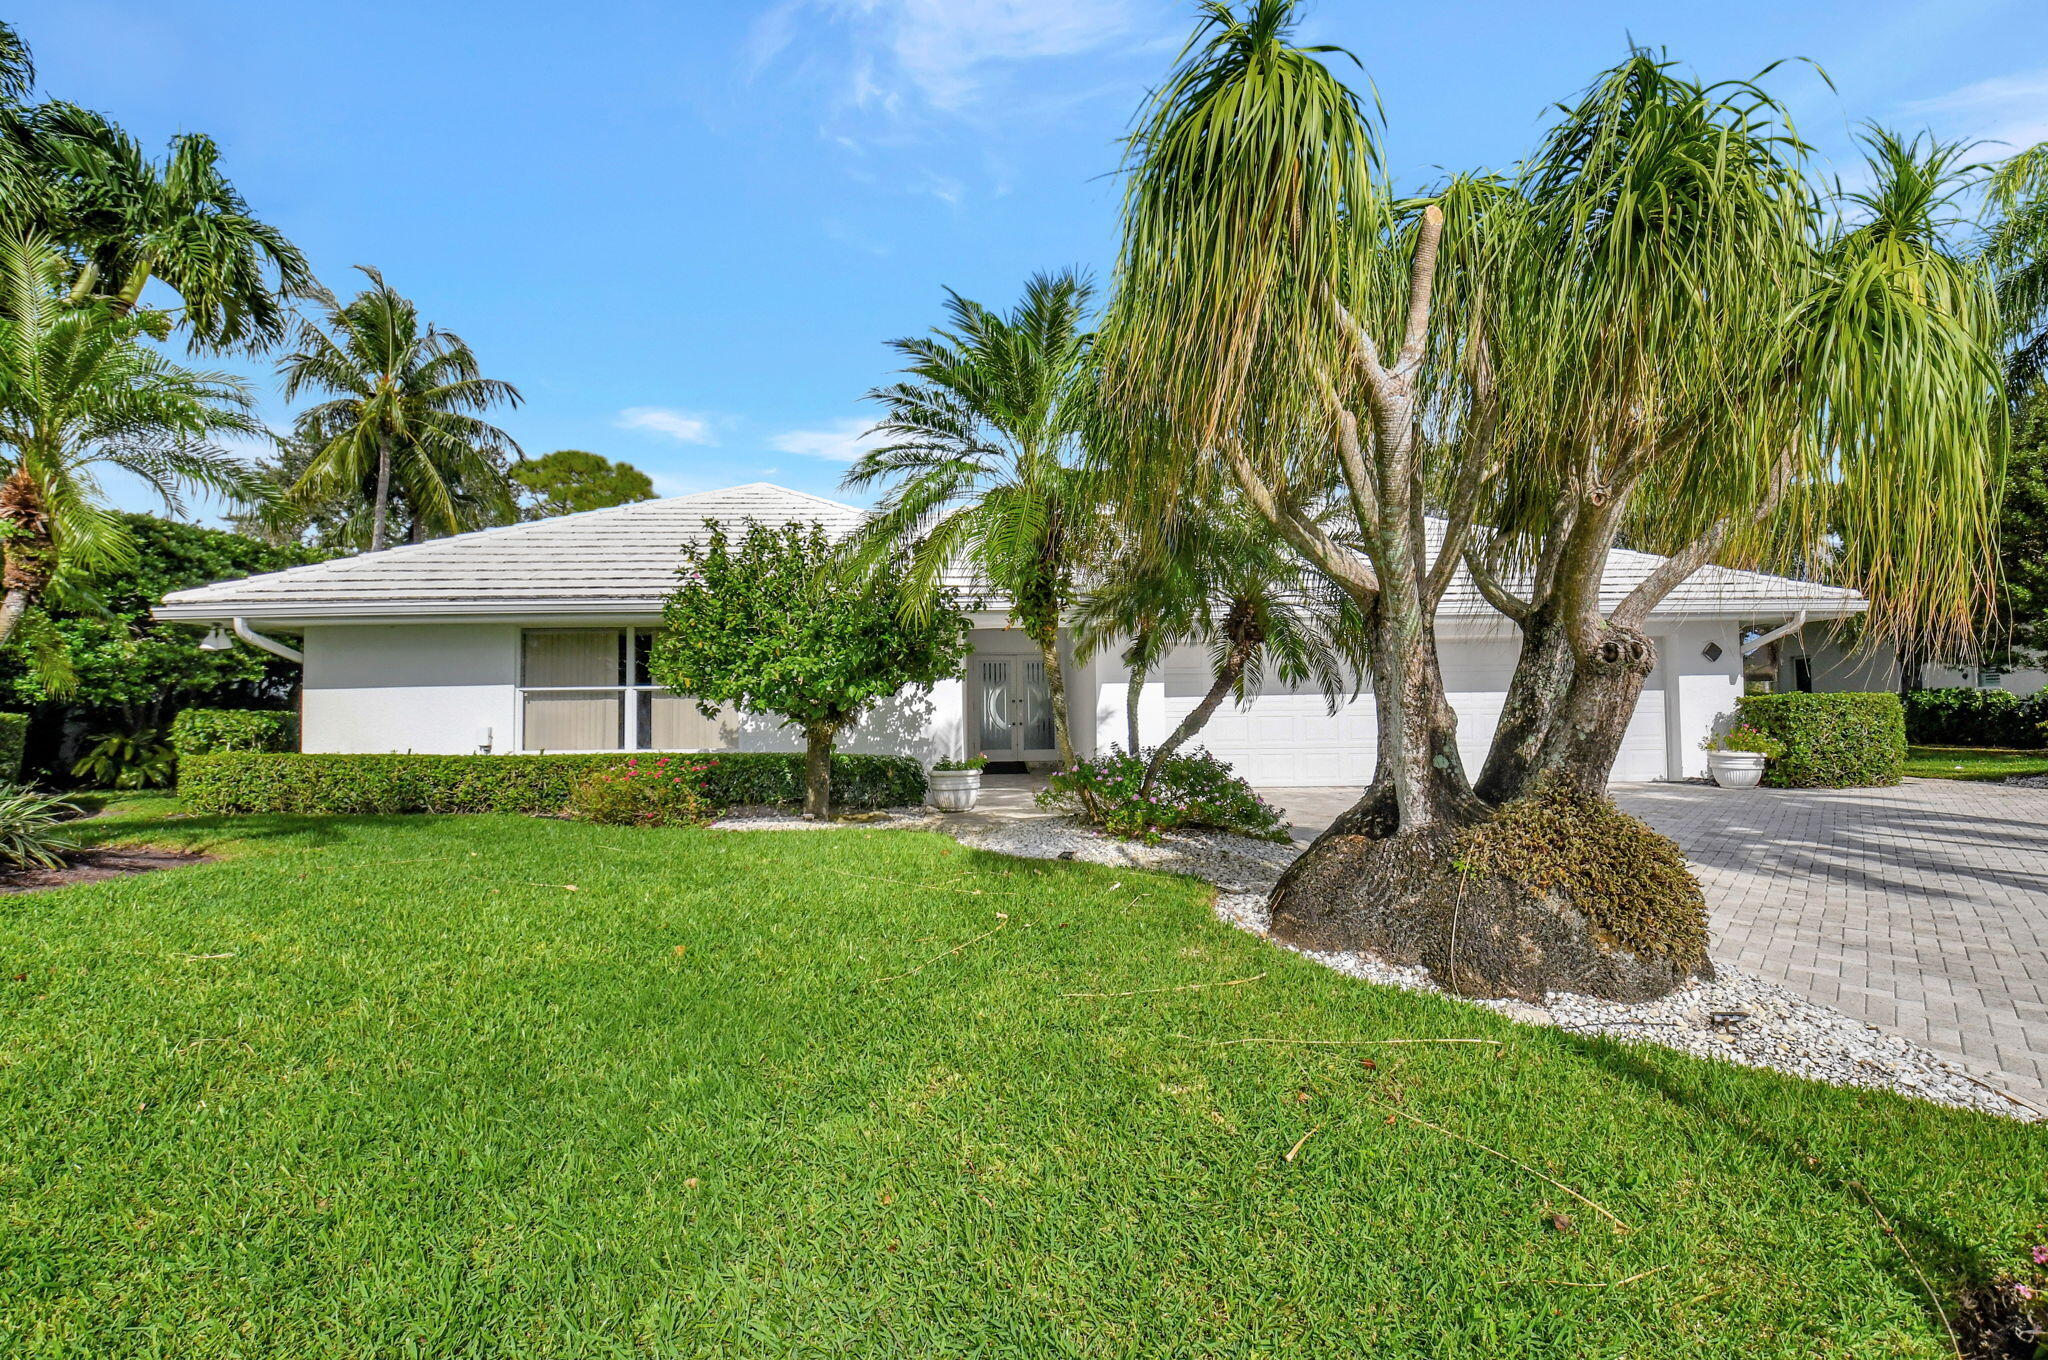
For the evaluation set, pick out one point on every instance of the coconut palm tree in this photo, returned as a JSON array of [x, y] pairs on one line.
[[180, 222], [983, 461], [1218, 579], [403, 422], [81, 389]]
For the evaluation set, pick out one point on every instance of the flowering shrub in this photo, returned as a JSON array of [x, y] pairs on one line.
[[1743, 737], [664, 791], [1193, 789]]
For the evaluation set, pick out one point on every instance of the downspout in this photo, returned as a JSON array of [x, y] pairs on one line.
[[1752, 649], [268, 644]]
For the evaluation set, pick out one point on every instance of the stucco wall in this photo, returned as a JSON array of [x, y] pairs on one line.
[[449, 689], [1287, 736], [439, 688]]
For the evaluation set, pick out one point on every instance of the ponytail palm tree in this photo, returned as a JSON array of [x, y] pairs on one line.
[[80, 389], [982, 462], [404, 419], [1654, 331]]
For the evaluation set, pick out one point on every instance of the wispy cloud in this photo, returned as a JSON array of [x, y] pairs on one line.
[[685, 427], [2009, 109], [842, 441], [945, 55]]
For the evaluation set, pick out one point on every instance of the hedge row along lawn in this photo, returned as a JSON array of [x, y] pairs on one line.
[[500, 1086], [1972, 762]]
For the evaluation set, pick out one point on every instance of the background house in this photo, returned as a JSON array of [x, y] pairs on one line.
[[533, 637]]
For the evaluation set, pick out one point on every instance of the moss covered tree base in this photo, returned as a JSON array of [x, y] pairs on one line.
[[1551, 894]]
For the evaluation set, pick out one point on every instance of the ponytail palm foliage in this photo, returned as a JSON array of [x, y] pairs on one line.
[[404, 422], [982, 461], [81, 388]]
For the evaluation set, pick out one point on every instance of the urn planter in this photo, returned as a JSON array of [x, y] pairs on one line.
[[1735, 769], [955, 790]]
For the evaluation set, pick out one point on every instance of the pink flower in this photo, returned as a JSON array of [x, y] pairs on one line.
[[2023, 1291], [2041, 1256]]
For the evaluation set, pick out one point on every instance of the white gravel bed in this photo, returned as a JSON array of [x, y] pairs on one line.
[[2027, 781], [1778, 1028]]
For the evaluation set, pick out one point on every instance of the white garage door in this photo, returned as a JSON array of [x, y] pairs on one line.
[[1287, 737]]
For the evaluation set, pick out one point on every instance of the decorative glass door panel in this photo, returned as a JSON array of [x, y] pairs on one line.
[[998, 736], [1013, 717], [1035, 721]]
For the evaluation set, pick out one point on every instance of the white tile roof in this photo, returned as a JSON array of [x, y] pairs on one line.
[[623, 561]]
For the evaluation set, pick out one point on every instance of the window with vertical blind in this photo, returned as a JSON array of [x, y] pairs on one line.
[[587, 689]]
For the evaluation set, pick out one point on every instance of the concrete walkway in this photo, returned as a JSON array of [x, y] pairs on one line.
[[1921, 909]]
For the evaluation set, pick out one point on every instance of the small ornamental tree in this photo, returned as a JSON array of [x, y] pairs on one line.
[[773, 625]]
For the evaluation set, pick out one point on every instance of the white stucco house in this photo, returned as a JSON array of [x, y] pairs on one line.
[[533, 637], [1819, 658]]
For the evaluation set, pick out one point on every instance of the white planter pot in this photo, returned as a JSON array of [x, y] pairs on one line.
[[1735, 769], [954, 790]]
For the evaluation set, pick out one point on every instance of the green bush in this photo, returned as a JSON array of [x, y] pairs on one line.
[[662, 791], [1975, 717], [13, 737], [202, 731], [127, 760], [1832, 741], [1193, 790], [248, 782]]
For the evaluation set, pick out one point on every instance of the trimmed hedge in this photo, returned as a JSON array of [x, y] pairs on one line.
[[202, 731], [249, 782], [13, 739], [1976, 717], [1832, 741]]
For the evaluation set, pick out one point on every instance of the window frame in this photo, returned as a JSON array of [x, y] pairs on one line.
[[626, 639]]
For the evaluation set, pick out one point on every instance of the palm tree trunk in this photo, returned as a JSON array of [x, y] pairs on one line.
[[1056, 693], [380, 513], [1134, 691], [31, 555], [1227, 676]]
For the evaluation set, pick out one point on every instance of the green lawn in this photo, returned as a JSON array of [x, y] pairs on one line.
[[391, 1087], [1972, 762]]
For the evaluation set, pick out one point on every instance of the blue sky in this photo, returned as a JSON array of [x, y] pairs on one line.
[[685, 230]]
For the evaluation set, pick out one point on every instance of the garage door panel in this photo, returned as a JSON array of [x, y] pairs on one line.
[[1288, 737]]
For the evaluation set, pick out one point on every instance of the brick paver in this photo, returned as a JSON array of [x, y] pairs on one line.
[[1922, 909]]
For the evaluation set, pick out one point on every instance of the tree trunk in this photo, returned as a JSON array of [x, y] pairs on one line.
[[1134, 689], [31, 553], [1227, 674], [380, 512], [1056, 693], [1585, 739], [1536, 694], [818, 771]]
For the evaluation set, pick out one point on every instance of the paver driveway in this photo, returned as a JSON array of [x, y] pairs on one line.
[[1922, 909]]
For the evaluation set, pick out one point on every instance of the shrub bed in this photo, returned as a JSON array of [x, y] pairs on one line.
[[202, 731], [660, 791], [248, 782], [1976, 717], [1193, 790], [1831, 741]]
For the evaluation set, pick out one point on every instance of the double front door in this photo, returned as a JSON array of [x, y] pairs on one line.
[[1013, 708]]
